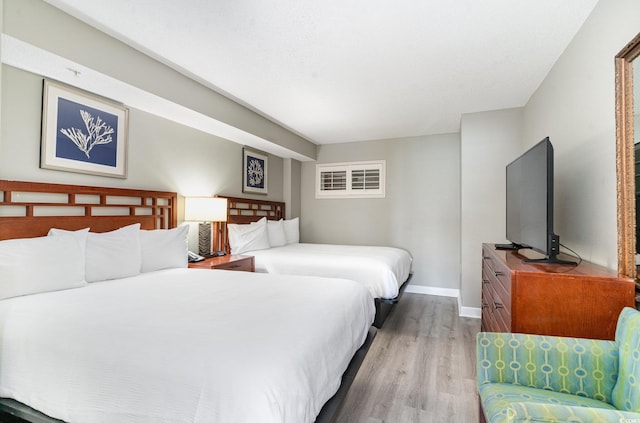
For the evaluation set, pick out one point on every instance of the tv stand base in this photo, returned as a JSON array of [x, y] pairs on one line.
[[549, 260], [511, 246]]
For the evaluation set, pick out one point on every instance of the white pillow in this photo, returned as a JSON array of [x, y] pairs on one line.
[[113, 255], [243, 238], [292, 230], [275, 229], [80, 236], [43, 264], [164, 248]]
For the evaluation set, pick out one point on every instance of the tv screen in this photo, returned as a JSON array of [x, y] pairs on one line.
[[530, 198], [530, 204]]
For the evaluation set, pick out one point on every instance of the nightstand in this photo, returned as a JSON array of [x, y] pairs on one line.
[[228, 262]]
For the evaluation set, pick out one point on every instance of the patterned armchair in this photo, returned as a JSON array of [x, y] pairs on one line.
[[533, 378]]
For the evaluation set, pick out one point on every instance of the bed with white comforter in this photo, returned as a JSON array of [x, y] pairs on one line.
[[382, 270], [183, 345]]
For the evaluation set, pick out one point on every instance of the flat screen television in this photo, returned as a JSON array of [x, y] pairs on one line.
[[530, 203]]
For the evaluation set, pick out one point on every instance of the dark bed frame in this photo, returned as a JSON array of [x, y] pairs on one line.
[[247, 210], [30, 209]]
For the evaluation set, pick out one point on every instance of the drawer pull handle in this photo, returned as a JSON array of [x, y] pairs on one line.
[[485, 281], [497, 273], [485, 305], [233, 266], [497, 305]]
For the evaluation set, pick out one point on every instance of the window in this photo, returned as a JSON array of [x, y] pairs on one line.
[[350, 180]]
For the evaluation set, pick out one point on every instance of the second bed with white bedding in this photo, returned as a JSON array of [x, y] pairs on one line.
[[382, 270], [184, 345]]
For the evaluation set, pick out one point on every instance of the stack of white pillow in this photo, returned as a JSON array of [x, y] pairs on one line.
[[70, 259], [263, 234]]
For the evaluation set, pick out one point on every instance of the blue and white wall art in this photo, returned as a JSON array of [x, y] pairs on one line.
[[82, 132], [254, 179]]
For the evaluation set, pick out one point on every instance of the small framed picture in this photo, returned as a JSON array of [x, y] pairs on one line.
[[254, 167], [83, 132]]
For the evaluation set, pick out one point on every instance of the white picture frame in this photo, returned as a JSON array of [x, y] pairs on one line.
[[255, 168], [83, 132]]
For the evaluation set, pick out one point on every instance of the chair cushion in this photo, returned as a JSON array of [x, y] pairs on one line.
[[497, 399], [626, 393], [528, 412]]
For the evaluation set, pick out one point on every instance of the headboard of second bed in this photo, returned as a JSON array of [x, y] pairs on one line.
[[30, 209], [243, 211]]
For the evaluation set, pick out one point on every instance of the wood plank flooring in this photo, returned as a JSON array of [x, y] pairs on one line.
[[420, 368]]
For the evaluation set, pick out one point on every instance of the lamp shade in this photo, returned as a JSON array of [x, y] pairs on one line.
[[205, 209]]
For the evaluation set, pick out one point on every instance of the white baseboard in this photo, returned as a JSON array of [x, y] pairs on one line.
[[472, 312], [430, 290]]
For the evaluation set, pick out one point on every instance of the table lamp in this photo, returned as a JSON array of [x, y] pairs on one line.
[[205, 210]]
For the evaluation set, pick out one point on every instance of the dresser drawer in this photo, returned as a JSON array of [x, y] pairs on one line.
[[488, 323], [500, 313], [495, 318], [500, 273], [496, 294], [501, 286]]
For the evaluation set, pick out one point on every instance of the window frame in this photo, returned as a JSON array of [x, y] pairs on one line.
[[349, 168]]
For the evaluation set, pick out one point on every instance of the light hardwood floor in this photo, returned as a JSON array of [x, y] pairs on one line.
[[420, 368]]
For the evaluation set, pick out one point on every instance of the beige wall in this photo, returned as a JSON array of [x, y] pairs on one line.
[[163, 154], [489, 141], [41, 25], [575, 107], [292, 188], [420, 212]]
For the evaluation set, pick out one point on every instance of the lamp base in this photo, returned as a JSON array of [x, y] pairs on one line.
[[204, 239]]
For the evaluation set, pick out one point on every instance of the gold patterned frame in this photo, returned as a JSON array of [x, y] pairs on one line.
[[625, 158]]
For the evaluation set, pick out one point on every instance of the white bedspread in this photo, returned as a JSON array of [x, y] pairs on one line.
[[382, 270], [183, 345]]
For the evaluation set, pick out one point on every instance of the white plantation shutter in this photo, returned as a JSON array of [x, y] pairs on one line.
[[365, 179], [350, 180], [333, 180]]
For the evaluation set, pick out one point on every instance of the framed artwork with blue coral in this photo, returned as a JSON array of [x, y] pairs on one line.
[[83, 132], [254, 177]]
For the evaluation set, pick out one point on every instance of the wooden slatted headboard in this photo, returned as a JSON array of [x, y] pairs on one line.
[[243, 211], [30, 209]]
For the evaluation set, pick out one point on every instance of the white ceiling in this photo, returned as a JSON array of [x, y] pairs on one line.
[[352, 70]]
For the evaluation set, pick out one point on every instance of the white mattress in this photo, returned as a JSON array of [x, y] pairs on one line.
[[382, 270], [183, 345]]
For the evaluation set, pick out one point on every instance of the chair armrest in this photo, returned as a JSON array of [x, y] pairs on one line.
[[585, 367], [555, 413]]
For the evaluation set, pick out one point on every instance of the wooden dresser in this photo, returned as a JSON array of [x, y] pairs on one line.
[[550, 299]]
